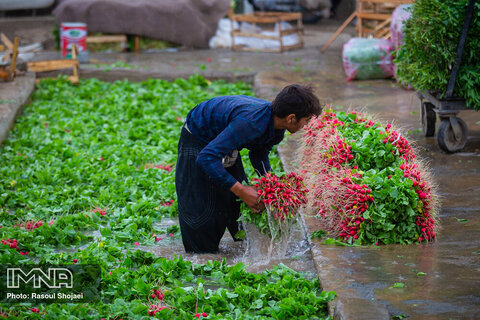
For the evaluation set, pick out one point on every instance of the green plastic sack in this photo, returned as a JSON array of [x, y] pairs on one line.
[[367, 59]]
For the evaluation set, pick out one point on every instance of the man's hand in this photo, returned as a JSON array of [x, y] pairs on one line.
[[249, 195]]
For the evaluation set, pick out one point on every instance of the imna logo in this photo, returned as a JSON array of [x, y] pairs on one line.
[[53, 278]]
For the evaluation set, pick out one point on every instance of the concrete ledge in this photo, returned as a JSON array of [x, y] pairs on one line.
[[13, 96]]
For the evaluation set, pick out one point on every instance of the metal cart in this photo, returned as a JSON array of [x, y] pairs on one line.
[[453, 132]]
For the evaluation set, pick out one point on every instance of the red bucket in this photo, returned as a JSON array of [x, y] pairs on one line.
[[72, 33]]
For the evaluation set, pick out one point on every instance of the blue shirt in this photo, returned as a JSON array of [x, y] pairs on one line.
[[232, 123]]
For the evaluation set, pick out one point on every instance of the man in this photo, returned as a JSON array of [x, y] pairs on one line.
[[209, 171]]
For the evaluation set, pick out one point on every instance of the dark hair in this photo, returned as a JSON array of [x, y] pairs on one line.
[[296, 99]]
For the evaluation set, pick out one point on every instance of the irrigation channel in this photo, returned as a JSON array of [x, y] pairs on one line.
[[297, 255], [257, 251]]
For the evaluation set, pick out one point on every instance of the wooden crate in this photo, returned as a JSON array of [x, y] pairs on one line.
[[265, 20], [121, 38], [374, 16], [52, 65], [373, 19]]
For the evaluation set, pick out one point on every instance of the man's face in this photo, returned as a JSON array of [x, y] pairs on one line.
[[295, 124]]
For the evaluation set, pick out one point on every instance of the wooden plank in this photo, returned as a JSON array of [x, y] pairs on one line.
[[285, 48], [339, 30], [243, 48], [107, 39], [280, 37], [75, 67], [300, 34], [287, 15], [50, 65], [137, 44], [290, 31], [395, 2], [266, 17], [253, 19], [383, 33], [13, 64], [373, 16], [6, 41], [381, 26], [254, 35], [73, 79]]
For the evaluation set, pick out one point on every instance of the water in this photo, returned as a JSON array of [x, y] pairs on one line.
[[294, 251], [257, 252]]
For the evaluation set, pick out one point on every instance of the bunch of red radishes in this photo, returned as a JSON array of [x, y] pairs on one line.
[[356, 169], [30, 225], [283, 195], [13, 244], [154, 308]]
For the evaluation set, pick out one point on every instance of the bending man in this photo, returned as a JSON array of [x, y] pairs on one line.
[[209, 171]]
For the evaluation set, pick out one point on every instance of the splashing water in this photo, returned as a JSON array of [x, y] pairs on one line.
[[265, 247]]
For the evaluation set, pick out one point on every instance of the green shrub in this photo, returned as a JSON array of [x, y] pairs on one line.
[[426, 58]]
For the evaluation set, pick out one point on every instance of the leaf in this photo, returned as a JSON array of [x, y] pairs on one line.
[[257, 304], [240, 234], [398, 285], [335, 242], [461, 220], [318, 234], [231, 295], [394, 193], [421, 274]]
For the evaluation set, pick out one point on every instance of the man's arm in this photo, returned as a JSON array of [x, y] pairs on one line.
[[259, 157], [260, 161], [249, 195], [210, 159]]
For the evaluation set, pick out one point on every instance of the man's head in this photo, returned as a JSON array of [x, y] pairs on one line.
[[294, 106]]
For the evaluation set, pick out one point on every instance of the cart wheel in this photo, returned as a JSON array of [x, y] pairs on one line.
[[449, 140], [428, 119]]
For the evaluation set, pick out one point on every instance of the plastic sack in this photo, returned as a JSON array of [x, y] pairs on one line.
[[399, 16], [367, 59], [223, 38]]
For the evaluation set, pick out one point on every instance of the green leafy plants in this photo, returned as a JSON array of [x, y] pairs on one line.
[[87, 172], [366, 184], [426, 58]]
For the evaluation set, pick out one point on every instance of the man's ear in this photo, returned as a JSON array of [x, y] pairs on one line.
[[291, 117]]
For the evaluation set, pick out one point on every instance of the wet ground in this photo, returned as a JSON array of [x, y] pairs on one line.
[[441, 280], [362, 277]]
